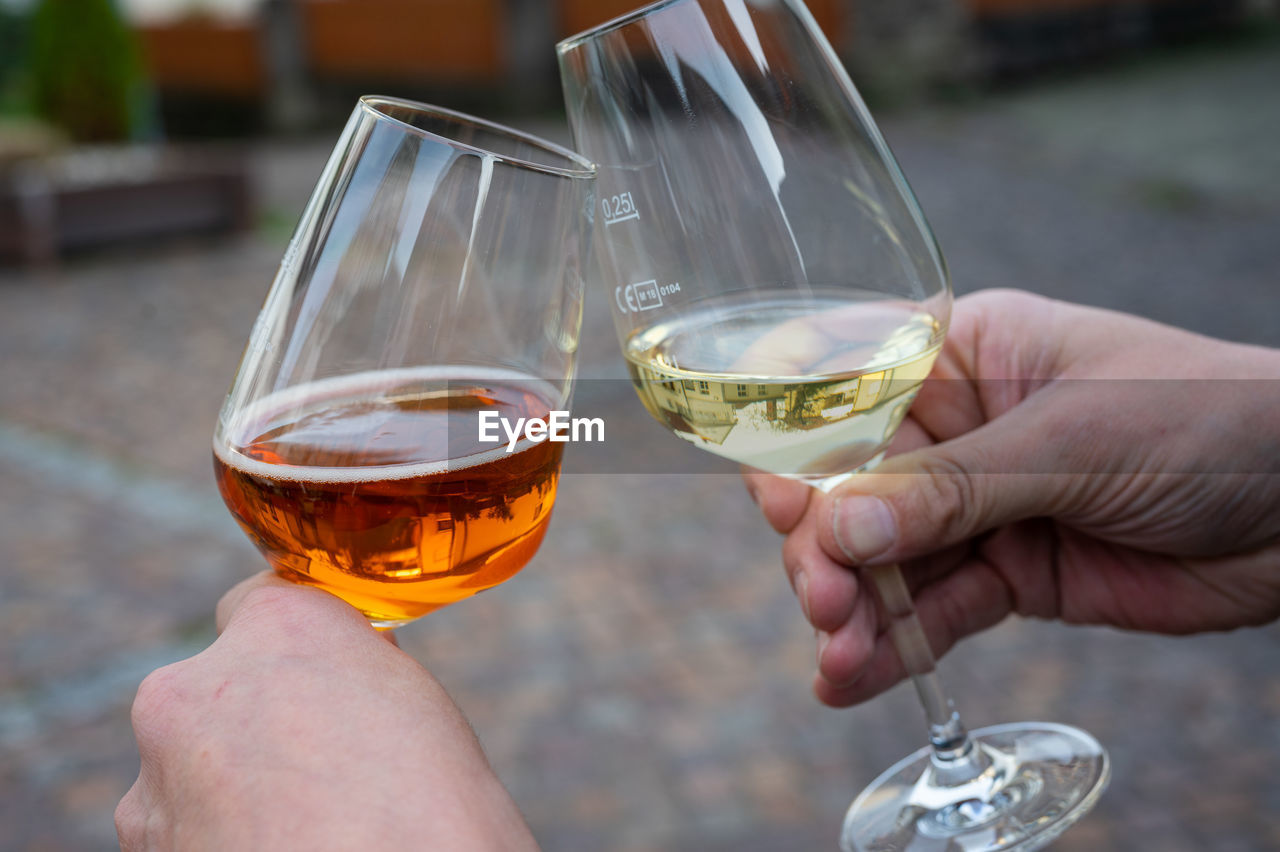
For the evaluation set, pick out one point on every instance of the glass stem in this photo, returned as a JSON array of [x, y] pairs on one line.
[[952, 747]]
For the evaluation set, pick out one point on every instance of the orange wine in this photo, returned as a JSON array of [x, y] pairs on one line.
[[376, 487]]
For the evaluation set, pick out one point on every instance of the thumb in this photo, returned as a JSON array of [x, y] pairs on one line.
[[929, 499]]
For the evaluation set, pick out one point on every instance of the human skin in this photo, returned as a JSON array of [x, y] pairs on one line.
[[302, 727], [1015, 489], [1063, 462]]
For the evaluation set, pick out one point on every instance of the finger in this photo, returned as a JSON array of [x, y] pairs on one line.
[[844, 654], [782, 501], [140, 812], [881, 671], [237, 594], [923, 501], [233, 602], [929, 569], [910, 436], [131, 819], [950, 402], [827, 591], [967, 601], [996, 431]]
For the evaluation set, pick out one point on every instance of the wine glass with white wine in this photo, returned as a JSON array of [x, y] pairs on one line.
[[780, 299]]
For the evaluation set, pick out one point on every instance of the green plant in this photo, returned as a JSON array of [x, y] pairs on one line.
[[13, 38], [84, 70]]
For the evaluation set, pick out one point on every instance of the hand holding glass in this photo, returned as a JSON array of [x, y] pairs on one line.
[[779, 299]]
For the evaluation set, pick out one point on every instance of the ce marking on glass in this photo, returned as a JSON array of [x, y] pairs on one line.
[[643, 296]]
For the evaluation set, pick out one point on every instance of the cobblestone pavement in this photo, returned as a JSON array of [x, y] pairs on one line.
[[644, 683]]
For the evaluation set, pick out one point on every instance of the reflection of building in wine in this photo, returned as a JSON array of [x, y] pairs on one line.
[[710, 409], [705, 408], [815, 404]]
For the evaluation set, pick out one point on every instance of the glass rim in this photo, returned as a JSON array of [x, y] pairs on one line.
[[566, 44], [586, 169]]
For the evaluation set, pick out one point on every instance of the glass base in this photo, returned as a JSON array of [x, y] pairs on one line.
[[1037, 779]]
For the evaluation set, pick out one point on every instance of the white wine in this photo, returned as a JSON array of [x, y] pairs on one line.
[[806, 386]]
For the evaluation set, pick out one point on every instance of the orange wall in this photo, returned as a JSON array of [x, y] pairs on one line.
[[205, 57], [447, 40], [579, 15], [450, 39]]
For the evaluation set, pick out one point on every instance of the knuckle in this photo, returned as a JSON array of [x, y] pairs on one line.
[[271, 607], [266, 600], [950, 498], [1005, 300], [157, 690], [156, 700], [130, 822], [283, 618]]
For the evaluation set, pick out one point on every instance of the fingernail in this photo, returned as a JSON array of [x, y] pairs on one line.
[[864, 527], [752, 493], [802, 593], [824, 639]]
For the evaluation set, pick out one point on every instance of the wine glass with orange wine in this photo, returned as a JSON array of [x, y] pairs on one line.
[[435, 276]]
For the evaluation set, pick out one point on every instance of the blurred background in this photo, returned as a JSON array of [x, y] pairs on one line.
[[644, 683]]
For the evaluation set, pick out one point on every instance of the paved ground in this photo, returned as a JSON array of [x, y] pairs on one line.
[[644, 683]]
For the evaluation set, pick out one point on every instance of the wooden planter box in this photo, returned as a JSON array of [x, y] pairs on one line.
[[94, 198]]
